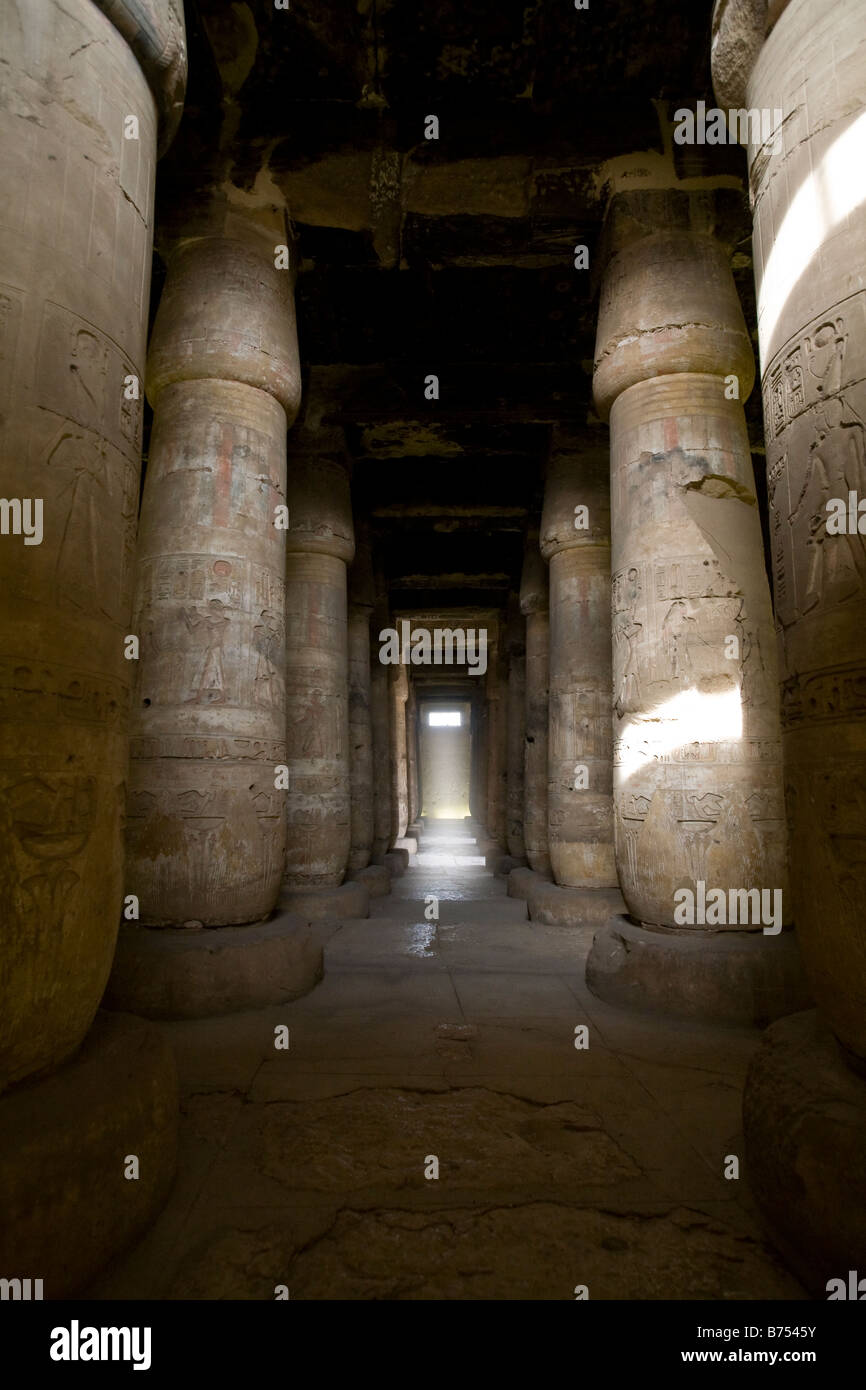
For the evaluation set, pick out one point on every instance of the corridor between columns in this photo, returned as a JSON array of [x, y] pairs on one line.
[[433, 650], [452, 1037]]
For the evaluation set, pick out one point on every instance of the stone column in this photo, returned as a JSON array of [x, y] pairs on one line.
[[360, 724], [697, 774], [399, 692], [516, 739], [412, 754], [380, 709], [76, 230], [804, 1108], [206, 828], [319, 546], [534, 605], [575, 540], [497, 745], [478, 761]]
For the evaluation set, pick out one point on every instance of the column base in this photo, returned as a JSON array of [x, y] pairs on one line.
[[520, 881], [375, 878], [407, 842], [804, 1121], [216, 970], [397, 862], [505, 863], [723, 977], [539, 863], [558, 906], [327, 904], [64, 1144]]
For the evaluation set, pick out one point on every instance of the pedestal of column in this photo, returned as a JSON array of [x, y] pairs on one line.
[[575, 541], [805, 1097], [319, 546], [76, 231], [697, 768]]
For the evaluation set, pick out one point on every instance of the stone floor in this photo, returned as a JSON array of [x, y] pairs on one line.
[[558, 1166]]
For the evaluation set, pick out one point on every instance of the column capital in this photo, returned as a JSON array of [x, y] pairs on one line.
[[362, 590], [576, 512], [318, 493], [668, 304], [533, 577], [227, 314], [156, 33]]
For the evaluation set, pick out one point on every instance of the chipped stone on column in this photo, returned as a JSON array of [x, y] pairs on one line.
[[534, 605], [361, 598], [804, 1105], [205, 830], [73, 323], [320, 544], [575, 540]]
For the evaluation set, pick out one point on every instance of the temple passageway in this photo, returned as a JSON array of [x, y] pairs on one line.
[[432, 659], [557, 1167]]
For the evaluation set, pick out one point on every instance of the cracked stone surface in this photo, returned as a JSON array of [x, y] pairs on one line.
[[558, 1165]]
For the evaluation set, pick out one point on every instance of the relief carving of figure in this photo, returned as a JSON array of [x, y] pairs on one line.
[[210, 678], [837, 464], [307, 741], [627, 632], [268, 637]]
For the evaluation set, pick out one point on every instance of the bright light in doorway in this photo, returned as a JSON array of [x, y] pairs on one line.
[[444, 719]]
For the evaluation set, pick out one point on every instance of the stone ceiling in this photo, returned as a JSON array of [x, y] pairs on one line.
[[451, 257]]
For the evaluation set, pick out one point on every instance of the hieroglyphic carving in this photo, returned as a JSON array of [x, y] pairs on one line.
[[816, 451]]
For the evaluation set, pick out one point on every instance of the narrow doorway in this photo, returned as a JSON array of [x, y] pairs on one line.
[[445, 747]]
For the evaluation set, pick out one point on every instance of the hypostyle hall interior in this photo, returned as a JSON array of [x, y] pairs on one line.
[[433, 650]]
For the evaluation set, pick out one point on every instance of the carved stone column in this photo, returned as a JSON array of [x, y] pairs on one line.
[[83, 106], [805, 1100], [478, 761], [380, 708], [399, 691], [412, 754], [697, 769], [575, 540], [496, 686], [516, 741], [206, 829], [320, 545], [534, 605], [360, 725]]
